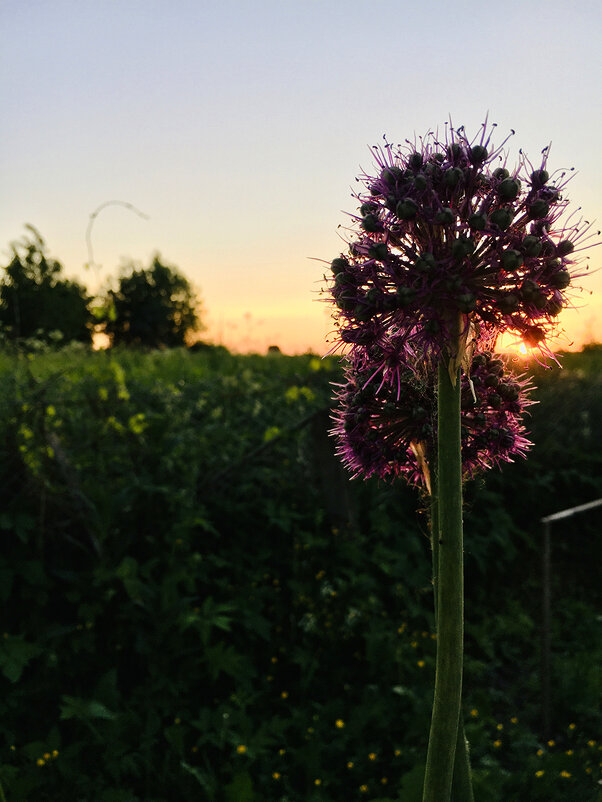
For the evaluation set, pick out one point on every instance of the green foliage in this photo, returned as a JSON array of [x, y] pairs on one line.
[[198, 605], [36, 302], [155, 307]]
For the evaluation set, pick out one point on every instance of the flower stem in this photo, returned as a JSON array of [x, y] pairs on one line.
[[450, 596], [462, 781]]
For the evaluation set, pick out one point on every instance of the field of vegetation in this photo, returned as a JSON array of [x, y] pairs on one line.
[[199, 605]]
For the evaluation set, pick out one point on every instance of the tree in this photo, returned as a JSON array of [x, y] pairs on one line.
[[155, 307], [35, 301]]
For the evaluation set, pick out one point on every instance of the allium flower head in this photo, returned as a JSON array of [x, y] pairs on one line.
[[450, 237], [392, 432]]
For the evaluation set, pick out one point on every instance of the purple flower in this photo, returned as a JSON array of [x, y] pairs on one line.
[[392, 432], [447, 236]]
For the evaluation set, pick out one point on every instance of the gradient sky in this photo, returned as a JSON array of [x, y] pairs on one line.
[[238, 127]]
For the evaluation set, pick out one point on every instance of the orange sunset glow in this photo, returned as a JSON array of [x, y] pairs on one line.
[[230, 143]]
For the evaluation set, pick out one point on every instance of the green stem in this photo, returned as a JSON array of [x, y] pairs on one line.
[[450, 597], [462, 782]]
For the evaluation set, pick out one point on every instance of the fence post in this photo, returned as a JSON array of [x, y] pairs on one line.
[[546, 605], [546, 610]]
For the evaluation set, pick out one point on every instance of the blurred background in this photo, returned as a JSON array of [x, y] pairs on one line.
[[238, 129]]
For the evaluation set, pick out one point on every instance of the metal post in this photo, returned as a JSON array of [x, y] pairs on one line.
[[546, 605], [546, 610]]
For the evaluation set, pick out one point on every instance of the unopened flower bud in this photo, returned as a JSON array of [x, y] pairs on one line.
[[500, 173], [539, 178], [511, 259], [477, 221], [420, 182], [345, 304], [466, 302], [406, 209], [478, 154], [509, 188], [539, 300], [445, 217], [391, 174], [405, 295], [561, 279], [531, 245], [509, 391], [425, 263], [339, 264], [565, 247], [508, 303], [372, 296], [378, 250], [538, 209], [495, 400], [344, 279], [454, 151], [415, 161], [462, 247], [553, 307], [534, 335], [501, 218], [529, 289], [371, 224], [452, 177]]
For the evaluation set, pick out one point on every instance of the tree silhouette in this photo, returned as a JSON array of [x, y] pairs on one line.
[[35, 301], [155, 308]]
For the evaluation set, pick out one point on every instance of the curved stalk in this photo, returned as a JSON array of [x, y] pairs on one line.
[[450, 596]]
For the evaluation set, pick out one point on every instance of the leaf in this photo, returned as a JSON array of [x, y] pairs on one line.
[[15, 654], [222, 658], [84, 709], [206, 781], [240, 789], [410, 789]]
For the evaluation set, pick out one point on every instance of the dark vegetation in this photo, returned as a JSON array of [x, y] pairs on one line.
[[197, 603], [152, 307]]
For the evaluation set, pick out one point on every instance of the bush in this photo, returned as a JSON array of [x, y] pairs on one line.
[[199, 605]]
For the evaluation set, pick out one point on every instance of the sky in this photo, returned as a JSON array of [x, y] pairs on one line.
[[237, 128]]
